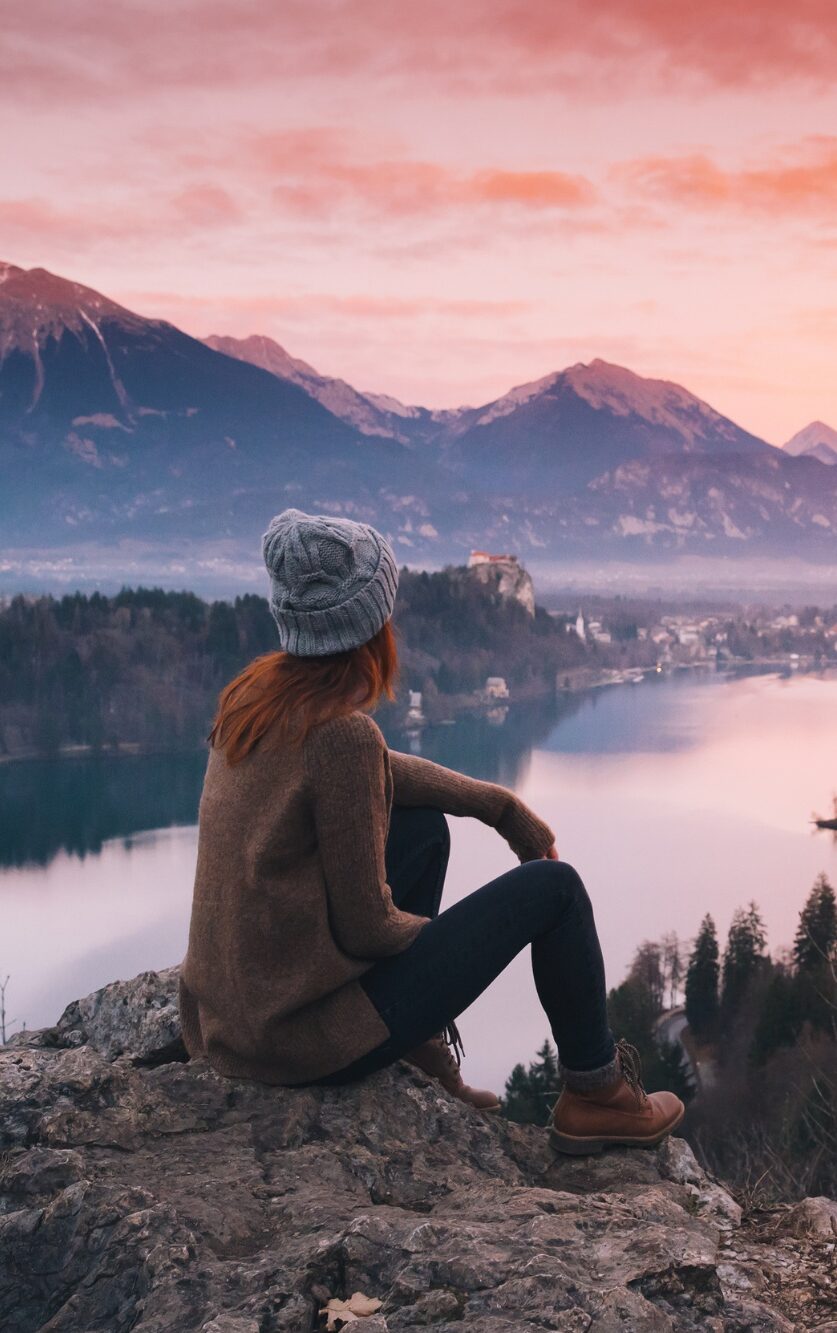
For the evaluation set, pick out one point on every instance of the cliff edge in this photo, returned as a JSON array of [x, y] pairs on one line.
[[140, 1192]]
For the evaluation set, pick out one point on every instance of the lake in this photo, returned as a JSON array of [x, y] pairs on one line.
[[684, 794]]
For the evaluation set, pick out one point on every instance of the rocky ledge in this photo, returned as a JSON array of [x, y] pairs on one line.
[[138, 1191]]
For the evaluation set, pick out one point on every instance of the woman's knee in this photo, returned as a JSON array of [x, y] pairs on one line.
[[559, 878]]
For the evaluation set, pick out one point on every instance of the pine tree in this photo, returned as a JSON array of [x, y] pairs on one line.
[[743, 957], [546, 1067], [816, 937], [633, 1011], [648, 971], [530, 1093], [815, 956], [519, 1102], [780, 1018], [702, 978]]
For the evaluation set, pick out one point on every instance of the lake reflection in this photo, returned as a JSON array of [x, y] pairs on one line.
[[77, 805], [674, 797]]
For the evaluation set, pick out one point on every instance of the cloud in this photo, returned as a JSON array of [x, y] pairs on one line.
[[32, 227], [312, 305], [800, 181], [530, 189], [718, 43], [206, 206], [320, 186], [27, 216], [404, 189], [95, 50], [33, 222], [318, 170], [315, 187]]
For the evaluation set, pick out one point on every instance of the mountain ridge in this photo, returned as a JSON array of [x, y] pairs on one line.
[[601, 383], [137, 431], [371, 414]]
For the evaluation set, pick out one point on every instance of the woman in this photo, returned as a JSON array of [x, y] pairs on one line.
[[317, 949]]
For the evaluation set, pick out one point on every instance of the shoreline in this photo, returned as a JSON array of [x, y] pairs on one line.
[[126, 750], [580, 679]]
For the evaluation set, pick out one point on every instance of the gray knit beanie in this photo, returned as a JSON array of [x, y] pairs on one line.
[[332, 582]]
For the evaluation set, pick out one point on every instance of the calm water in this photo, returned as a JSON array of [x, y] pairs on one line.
[[674, 797]]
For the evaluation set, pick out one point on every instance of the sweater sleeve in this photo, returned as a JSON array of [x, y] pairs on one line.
[[419, 781], [348, 767]]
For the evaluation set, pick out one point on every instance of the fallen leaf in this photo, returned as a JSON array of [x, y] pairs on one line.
[[357, 1307]]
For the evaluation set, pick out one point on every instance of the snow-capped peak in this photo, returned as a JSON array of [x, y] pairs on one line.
[[816, 440], [609, 387], [36, 305], [516, 397], [603, 384]]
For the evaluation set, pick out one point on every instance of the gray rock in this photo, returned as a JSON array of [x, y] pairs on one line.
[[812, 1217], [137, 1018], [157, 1197], [678, 1162]]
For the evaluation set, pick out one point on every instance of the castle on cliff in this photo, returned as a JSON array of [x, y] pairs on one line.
[[506, 574]]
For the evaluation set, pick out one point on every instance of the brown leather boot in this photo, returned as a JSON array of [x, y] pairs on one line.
[[620, 1113], [439, 1057]]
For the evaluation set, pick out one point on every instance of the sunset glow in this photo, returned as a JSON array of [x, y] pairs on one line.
[[441, 201]]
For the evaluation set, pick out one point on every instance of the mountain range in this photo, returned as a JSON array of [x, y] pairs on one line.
[[117, 428]]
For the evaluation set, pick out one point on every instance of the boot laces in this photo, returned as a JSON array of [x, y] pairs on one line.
[[631, 1067], [454, 1050]]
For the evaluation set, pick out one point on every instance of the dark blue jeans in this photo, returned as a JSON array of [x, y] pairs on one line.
[[459, 953]]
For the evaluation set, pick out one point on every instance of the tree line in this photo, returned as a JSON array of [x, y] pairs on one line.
[[757, 1063], [145, 667]]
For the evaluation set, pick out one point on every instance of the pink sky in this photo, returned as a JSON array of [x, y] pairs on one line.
[[441, 200]]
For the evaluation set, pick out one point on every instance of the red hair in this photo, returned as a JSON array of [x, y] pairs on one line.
[[292, 694]]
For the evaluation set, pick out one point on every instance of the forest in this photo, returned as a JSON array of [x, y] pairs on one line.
[[144, 668], [757, 1063]]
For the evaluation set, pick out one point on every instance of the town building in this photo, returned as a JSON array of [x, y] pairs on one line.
[[496, 688], [415, 712], [487, 558]]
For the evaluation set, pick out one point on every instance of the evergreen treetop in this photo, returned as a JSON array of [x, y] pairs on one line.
[[702, 980], [743, 956], [815, 945]]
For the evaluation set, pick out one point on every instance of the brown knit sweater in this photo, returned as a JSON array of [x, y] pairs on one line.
[[291, 903]]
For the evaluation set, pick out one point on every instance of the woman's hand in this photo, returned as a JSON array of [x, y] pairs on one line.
[[525, 833], [551, 855]]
